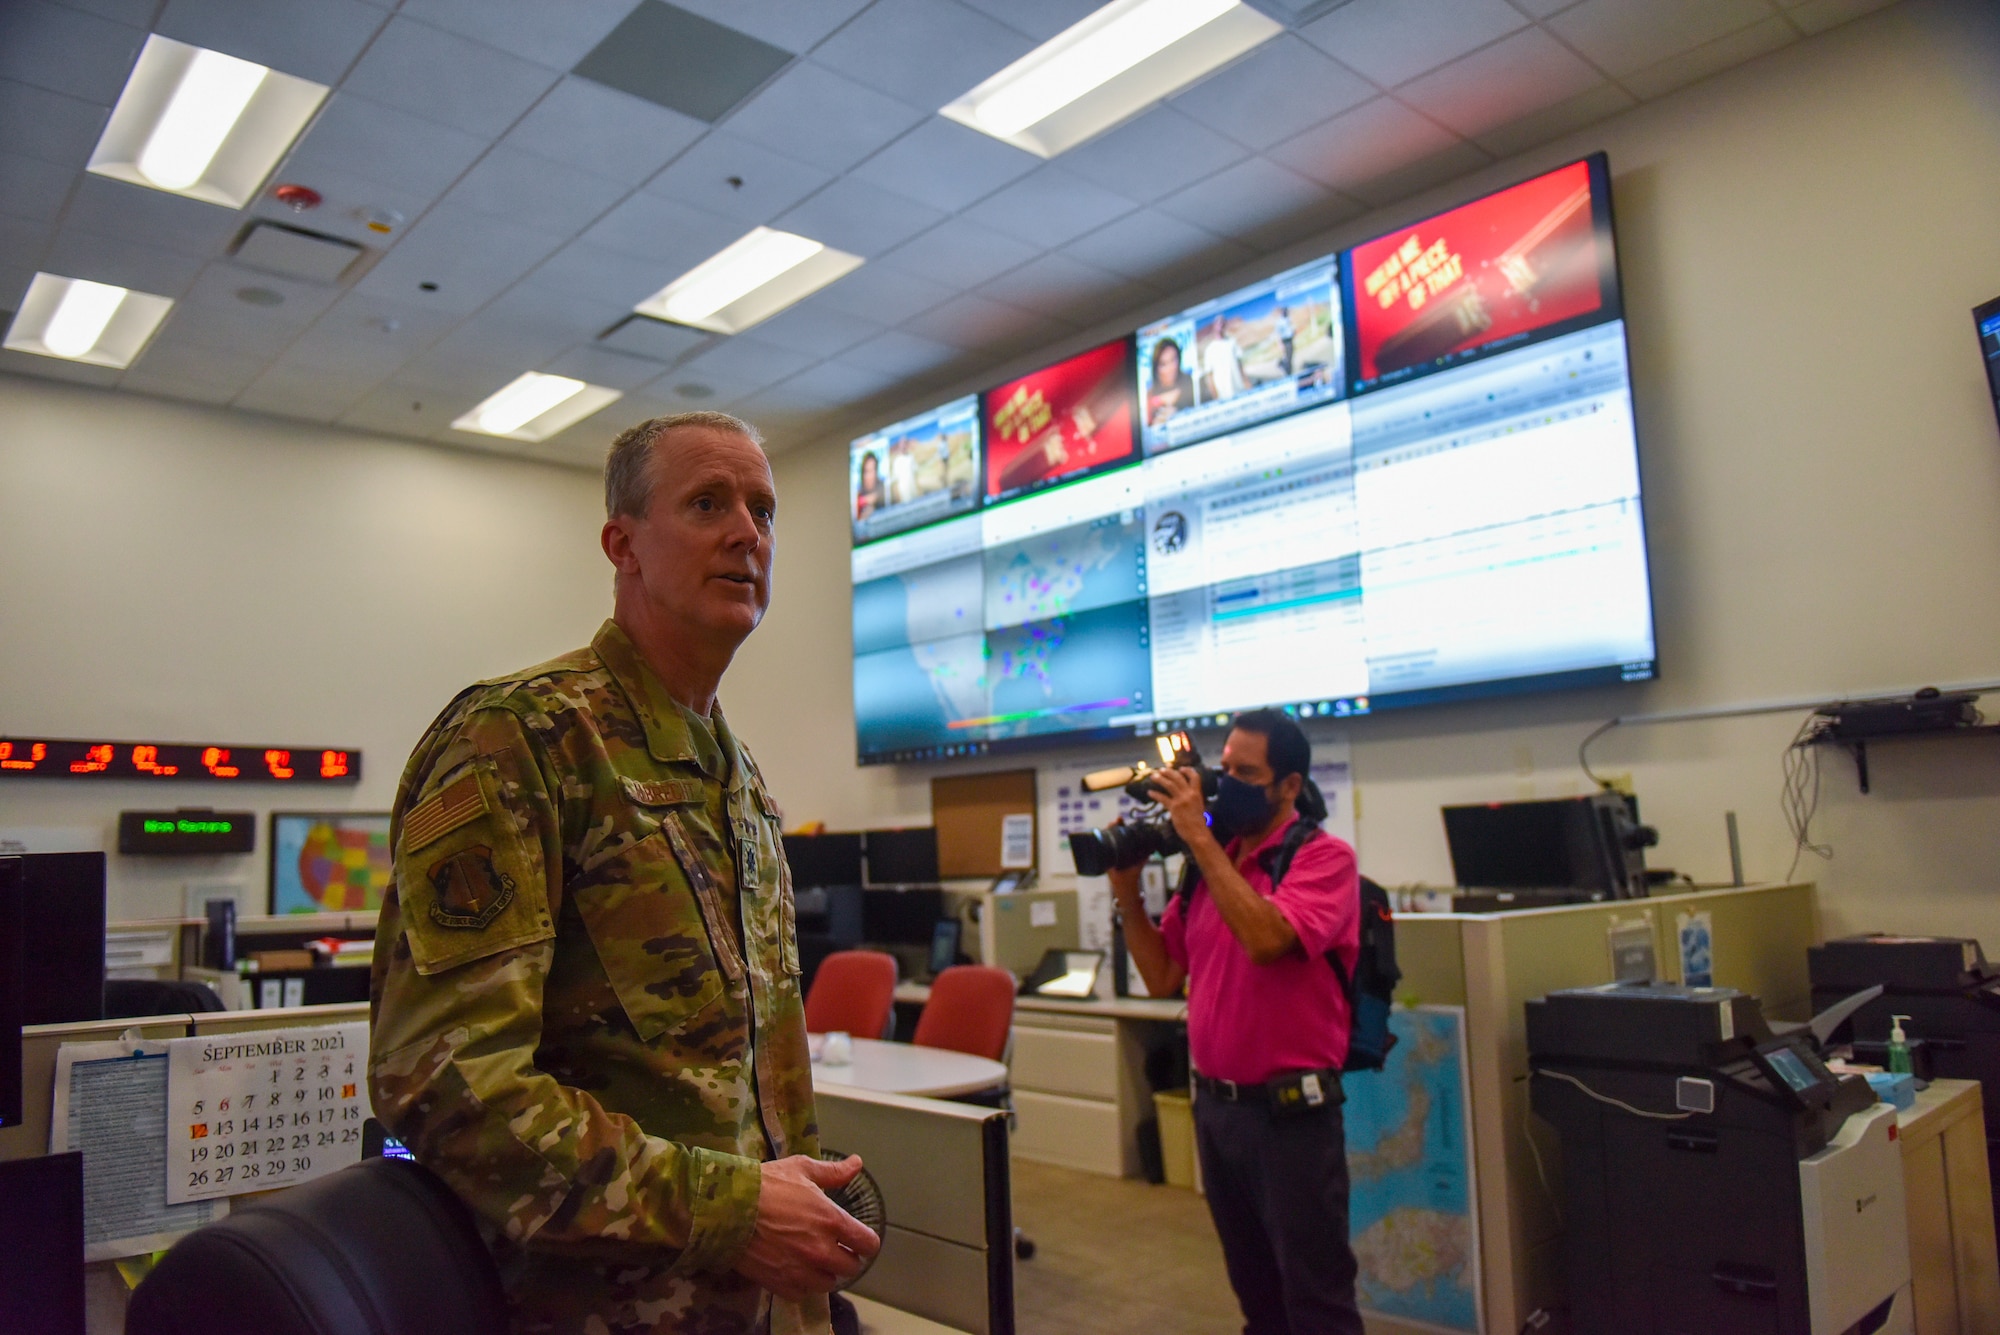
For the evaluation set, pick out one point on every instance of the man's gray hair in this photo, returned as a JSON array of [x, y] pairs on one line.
[[628, 468]]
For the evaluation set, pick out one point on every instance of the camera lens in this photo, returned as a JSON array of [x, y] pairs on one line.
[[1125, 844]]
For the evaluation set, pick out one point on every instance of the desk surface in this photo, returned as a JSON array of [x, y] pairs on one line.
[[1115, 1008], [1939, 1105], [903, 1068]]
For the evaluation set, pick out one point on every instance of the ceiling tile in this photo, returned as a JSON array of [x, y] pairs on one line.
[[553, 300], [1819, 15], [256, 334], [470, 258], [1393, 41], [820, 117], [979, 323], [368, 140], [737, 366], [655, 341], [403, 409], [787, 23], [669, 234], [1051, 206], [36, 123], [1711, 58], [113, 208], [404, 325], [1541, 9], [447, 78], [535, 193], [1573, 113], [503, 343], [613, 370], [1256, 201], [1361, 145], [898, 352], [816, 330], [1621, 36], [14, 280], [960, 253], [883, 294], [22, 240], [925, 52], [604, 283], [182, 368], [945, 165], [131, 13], [672, 400], [313, 39], [771, 183], [817, 389], [348, 204], [1038, 19], [1154, 155], [66, 51], [554, 35], [340, 353], [1067, 288], [121, 260], [1273, 93], [859, 218], [31, 188], [304, 393], [1501, 84], [604, 131], [683, 61], [1160, 247], [217, 286], [463, 373], [1447, 164]]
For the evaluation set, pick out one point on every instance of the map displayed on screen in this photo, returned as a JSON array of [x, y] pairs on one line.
[[329, 862], [1375, 515]]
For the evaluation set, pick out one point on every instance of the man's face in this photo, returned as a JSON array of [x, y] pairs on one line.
[[701, 555], [1247, 756]]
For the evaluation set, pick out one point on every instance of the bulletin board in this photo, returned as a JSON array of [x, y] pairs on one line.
[[970, 811]]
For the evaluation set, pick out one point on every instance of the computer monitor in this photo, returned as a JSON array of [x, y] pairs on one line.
[[10, 991], [901, 917], [902, 857], [1987, 319], [823, 859], [62, 915], [41, 1245], [1573, 843]]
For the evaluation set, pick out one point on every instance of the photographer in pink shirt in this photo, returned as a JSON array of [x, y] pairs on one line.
[[1268, 1023]]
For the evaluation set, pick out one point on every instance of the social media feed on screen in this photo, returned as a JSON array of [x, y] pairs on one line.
[[915, 472], [1404, 517]]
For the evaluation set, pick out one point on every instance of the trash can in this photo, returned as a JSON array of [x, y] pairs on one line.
[[1176, 1114]]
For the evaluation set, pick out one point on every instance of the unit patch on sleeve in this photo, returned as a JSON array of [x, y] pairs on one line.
[[443, 812], [471, 891]]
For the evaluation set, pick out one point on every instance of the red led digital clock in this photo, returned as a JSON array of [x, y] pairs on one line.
[[56, 758]]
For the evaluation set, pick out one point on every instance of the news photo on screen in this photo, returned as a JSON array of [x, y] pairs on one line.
[[1404, 532], [915, 472], [1062, 421], [1267, 350]]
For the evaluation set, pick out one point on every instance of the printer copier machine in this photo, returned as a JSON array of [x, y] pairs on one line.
[[1717, 1178]]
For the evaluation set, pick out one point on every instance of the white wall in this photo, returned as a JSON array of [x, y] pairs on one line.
[[1802, 241], [178, 573]]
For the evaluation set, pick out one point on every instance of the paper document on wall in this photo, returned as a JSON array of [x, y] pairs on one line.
[[111, 1104], [1017, 840], [1333, 771], [264, 1108]]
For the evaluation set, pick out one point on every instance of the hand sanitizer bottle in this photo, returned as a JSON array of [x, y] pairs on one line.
[[1899, 1046]]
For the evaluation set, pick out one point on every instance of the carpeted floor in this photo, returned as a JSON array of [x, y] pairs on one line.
[[1116, 1257]]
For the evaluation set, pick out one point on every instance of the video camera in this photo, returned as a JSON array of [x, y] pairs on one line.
[[1147, 833]]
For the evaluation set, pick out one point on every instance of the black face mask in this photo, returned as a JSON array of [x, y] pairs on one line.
[[1240, 807]]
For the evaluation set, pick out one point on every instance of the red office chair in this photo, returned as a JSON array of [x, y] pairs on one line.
[[854, 992], [971, 1010]]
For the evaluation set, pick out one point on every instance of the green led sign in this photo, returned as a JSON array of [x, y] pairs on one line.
[[185, 833]]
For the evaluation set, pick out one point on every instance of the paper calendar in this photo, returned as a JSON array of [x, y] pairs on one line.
[[263, 1109]]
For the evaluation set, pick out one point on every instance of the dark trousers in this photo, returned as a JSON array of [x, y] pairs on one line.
[[1277, 1190]]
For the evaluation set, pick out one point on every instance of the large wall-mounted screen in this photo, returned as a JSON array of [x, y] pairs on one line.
[[916, 472], [1421, 484]]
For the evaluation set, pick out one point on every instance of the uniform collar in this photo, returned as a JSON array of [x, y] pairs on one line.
[[1276, 837], [668, 736]]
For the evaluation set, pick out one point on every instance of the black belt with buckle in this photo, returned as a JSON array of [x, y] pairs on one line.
[[1290, 1092]]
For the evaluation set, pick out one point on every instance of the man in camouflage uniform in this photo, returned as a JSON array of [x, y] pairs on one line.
[[586, 1011]]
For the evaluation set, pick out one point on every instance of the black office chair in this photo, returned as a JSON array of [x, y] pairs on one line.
[[381, 1248], [130, 998]]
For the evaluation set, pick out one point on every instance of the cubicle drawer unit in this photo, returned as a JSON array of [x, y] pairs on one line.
[[1075, 1093]]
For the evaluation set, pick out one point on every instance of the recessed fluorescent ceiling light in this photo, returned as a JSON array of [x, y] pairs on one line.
[[1125, 57], [81, 321], [535, 406], [750, 280], [199, 123]]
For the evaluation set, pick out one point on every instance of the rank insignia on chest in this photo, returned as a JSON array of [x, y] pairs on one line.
[[747, 855], [471, 891]]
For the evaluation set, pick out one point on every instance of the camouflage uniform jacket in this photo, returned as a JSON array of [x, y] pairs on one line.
[[586, 1011]]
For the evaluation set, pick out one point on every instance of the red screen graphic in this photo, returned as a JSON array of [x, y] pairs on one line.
[[1522, 259], [1059, 422]]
